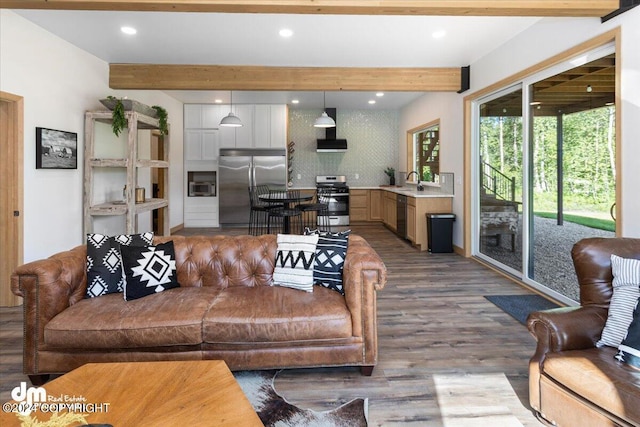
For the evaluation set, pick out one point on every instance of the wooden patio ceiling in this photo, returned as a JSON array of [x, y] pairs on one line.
[[589, 86]]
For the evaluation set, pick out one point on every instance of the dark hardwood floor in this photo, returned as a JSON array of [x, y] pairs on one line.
[[447, 356]]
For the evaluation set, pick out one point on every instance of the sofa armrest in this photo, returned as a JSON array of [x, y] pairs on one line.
[[561, 329], [48, 286], [364, 273]]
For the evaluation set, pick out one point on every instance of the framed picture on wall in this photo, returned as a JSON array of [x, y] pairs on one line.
[[56, 149]]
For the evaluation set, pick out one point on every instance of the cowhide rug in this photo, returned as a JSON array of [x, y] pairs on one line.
[[275, 411]]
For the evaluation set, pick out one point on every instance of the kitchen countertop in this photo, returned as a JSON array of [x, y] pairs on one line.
[[409, 191]]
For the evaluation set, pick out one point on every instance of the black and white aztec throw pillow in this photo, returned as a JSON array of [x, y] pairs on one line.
[[149, 270], [294, 261], [629, 349], [626, 290], [104, 263], [331, 252]]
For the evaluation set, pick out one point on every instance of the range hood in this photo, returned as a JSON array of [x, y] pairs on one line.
[[330, 144]]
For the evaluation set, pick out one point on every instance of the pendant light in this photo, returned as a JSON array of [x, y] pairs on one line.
[[324, 121], [231, 121]]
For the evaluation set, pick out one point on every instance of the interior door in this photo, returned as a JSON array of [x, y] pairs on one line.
[[11, 222]]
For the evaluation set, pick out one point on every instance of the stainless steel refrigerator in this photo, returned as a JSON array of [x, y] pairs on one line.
[[240, 169]]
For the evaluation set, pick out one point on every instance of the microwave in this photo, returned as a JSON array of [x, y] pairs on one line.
[[202, 189]]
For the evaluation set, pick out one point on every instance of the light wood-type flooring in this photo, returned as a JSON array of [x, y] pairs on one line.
[[447, 356]]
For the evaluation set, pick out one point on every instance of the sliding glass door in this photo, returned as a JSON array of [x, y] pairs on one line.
[[545, 173], [499, 184]]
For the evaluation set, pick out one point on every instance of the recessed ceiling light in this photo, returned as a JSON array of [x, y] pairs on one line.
[[438, 34], [294, 101], [218, 101], [128, 30], [285, 32], [372, 101], [379, 94]]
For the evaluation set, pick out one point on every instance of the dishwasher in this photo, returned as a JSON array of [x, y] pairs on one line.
[[401, 221]]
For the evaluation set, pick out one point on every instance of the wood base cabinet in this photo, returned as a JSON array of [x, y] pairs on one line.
[[389, 210]]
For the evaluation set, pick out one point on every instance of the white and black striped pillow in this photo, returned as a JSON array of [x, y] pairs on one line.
[[294, 261], [626, 291]]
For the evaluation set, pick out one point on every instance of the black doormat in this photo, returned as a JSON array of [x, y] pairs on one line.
[[519, 306]]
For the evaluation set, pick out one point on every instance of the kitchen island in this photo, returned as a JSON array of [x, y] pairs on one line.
[[380, 204]]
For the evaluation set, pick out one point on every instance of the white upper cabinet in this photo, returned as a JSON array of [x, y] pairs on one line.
[[193, 116], [270, 126], [244, 134], [201, 144], [279, 123], [210, 144], [263, 126], [212, 114]]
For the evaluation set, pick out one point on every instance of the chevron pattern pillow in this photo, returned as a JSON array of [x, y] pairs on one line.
[[294, 261], [626, 291], [331, 252], [104, 261]]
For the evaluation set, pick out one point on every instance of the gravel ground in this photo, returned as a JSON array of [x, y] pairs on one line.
[[553, 266]]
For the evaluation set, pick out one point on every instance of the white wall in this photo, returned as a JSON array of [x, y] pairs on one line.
[[548, 37], [447, 107], [59, 82]]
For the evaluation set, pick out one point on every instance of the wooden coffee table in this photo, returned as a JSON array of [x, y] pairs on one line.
[[177, 393]]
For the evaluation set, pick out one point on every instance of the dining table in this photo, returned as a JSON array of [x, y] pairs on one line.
[[286, 198]]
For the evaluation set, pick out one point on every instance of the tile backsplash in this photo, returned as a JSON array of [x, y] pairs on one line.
[[372, 138]]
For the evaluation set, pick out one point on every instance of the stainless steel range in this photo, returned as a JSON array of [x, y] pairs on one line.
[[338, 211]]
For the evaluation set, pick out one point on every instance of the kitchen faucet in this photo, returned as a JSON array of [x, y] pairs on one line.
[[419, 187]]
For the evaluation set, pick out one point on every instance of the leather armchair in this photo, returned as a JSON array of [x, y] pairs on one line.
[[573, 332]]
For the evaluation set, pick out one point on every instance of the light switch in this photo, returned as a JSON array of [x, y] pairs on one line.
[[299, 176], [357, 176]]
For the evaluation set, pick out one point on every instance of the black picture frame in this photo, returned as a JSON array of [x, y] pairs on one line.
[[56, 149]]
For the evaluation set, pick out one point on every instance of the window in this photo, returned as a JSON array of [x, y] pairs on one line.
[[426, 152]]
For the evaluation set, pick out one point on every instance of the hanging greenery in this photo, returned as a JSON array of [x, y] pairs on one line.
[[162, 119], [119, 120]]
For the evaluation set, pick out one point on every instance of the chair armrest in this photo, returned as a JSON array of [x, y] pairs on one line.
[[567, 328], [561, 329], [48, 286], [364, 273]]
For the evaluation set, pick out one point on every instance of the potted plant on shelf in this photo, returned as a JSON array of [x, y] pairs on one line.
[[391, 173], [119, 122]]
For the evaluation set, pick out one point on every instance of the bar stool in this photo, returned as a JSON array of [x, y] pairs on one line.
[[259, 213], [316, 214]]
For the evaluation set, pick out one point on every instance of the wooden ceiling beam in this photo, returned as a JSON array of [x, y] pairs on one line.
[[577, 8], [220, 77]]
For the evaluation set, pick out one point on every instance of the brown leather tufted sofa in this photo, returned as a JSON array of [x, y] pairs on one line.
[[224, 309], [571, 382]]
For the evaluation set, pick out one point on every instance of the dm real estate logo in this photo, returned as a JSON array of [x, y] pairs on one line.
[[34, 399]]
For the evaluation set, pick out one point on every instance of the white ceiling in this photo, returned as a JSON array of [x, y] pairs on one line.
[[253, 39]]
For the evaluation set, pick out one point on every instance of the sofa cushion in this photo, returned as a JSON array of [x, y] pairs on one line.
[[626, 290], [595, 375], [294, 261], [104, 262], [276, 314], [148, 270], [169, 318]]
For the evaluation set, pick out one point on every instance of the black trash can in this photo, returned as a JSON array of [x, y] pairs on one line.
[[440, 232]]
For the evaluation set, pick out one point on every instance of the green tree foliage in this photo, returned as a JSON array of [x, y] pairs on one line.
[[588, 157]]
